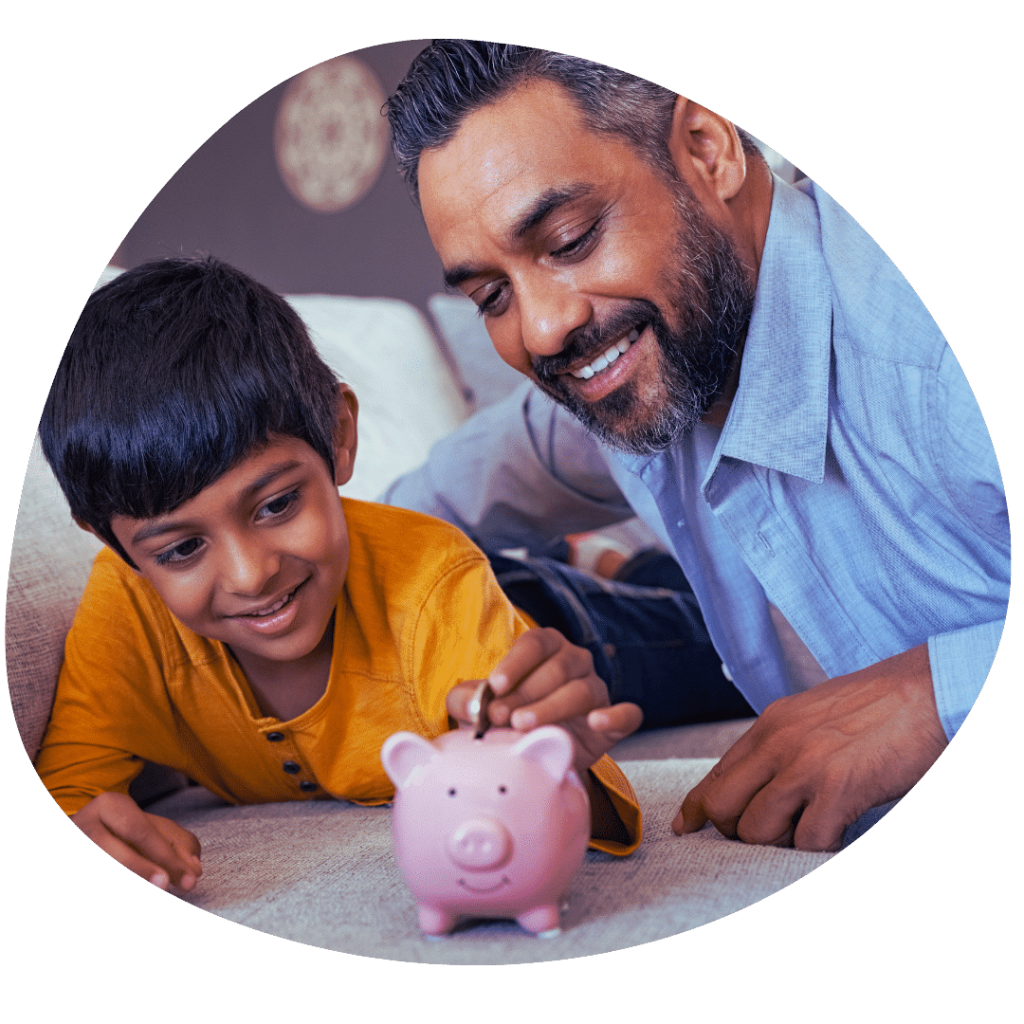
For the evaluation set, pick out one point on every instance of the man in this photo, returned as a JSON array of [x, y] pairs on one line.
[[748, 373]]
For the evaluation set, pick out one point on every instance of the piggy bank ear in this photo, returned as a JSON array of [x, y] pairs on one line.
[[549, 746], [402, 753]]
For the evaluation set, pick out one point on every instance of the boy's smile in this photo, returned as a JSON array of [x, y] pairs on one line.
[[256, 560]]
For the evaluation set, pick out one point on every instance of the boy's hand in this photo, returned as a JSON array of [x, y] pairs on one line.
[[543, 680], [155, 848]]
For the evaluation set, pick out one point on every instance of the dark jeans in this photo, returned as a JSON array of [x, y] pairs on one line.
[[645, 633]]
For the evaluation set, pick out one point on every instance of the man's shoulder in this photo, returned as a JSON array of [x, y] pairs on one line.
[[877, 312]]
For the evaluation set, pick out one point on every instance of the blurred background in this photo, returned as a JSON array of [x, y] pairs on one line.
[[300, 190]]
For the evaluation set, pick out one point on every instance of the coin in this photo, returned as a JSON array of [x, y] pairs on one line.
[[478, 705]]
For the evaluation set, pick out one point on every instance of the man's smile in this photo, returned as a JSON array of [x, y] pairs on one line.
[[603, 361]]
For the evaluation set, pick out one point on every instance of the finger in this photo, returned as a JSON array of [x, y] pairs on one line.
[[724, 794], [771, 816], [563, 700], [823, 825], [127, 856], [616, 722], [184, 842], [123, 818], [530, 650], [691, 816], [457, 701]]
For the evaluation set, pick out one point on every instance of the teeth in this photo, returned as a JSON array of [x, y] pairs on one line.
[[605, 360], [273, 608]]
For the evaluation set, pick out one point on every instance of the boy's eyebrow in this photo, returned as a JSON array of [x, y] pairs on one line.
[[542, 207], [159, 528]]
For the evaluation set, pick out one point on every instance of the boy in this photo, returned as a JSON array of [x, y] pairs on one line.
[[244, 624]]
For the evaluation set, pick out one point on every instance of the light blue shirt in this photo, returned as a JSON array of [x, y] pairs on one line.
[[854, 485]]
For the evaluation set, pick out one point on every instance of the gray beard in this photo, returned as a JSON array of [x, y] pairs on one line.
[[712, 297]]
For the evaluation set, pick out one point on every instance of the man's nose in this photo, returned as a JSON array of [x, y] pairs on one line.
[[550, 311]]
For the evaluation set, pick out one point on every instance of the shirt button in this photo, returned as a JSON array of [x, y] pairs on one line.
[[307, 786], [275, 737], [292, 768]]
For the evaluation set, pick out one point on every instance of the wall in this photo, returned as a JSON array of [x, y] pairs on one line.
[[229, 199]]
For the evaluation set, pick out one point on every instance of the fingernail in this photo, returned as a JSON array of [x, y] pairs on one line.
[[160, 879], [524, 720], [498, 681]]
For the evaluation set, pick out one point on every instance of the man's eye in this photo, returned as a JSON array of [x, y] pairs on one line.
[[579, 245], [493, 302]]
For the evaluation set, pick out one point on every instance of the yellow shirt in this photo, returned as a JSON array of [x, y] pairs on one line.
[[420, 612]]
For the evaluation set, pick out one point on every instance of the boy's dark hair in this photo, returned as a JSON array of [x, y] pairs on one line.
[[453, 77], [177, 370]]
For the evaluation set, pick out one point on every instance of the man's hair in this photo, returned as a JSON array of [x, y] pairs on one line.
[[453, 77], [176, 371]]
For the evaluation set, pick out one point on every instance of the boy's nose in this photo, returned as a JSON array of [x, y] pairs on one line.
[[246, 568]]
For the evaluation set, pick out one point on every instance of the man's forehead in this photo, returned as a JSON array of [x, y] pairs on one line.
[[507, 156]]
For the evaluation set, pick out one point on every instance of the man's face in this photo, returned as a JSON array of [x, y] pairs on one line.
[[608, 285]]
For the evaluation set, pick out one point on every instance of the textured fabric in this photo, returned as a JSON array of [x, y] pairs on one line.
[[637, 635], [854, 485], [50, 562], [324, 873]]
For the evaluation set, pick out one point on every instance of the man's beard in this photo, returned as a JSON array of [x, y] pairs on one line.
[[712, 297]]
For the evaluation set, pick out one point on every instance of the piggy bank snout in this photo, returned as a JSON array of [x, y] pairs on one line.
[[480, 844]]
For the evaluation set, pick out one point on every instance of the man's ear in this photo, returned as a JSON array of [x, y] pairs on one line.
[[346, 436], [705, 144]]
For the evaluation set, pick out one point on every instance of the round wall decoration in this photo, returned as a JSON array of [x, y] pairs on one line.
[[330, 137]]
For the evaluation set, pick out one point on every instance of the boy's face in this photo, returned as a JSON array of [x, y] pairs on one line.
[[257, 559]]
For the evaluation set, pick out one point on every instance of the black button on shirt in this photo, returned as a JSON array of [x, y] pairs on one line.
[[292, 768], [275, 737], [307, 786]]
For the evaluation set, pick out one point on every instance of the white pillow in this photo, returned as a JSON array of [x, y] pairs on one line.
[[484, 376], [408, 397]]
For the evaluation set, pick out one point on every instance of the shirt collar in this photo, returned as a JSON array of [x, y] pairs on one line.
[[779, 415]]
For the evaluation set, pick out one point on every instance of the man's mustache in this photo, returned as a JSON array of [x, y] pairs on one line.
[[586, 343]]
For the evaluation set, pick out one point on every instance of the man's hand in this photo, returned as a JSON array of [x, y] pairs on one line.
[[156, 848], [815, 762], [544, 679]]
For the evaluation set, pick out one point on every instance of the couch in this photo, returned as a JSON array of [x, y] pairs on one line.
[[322, 873]]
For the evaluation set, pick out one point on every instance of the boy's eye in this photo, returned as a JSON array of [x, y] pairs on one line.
[[180, 552], [279, 506]]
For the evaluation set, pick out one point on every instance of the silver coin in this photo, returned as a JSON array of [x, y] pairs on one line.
[[478, 705]]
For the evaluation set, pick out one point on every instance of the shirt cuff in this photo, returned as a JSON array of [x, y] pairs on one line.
[[610, 777], [960, 663]]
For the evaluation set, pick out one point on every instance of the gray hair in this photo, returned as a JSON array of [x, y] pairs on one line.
[[453, 77]]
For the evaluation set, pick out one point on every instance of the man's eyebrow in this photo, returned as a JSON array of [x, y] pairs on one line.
[[158, 529], [542, 207], [546, 204]]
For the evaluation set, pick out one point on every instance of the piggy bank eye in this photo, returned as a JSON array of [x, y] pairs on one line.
[[451, 792], [503, 789]]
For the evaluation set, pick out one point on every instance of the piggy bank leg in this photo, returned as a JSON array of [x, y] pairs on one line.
[[434, 921], [543, 920]]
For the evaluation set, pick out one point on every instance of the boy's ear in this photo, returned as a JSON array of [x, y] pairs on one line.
[[89, 529], [347, 436]]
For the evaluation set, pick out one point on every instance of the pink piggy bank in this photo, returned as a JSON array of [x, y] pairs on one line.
[[488, 827]]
